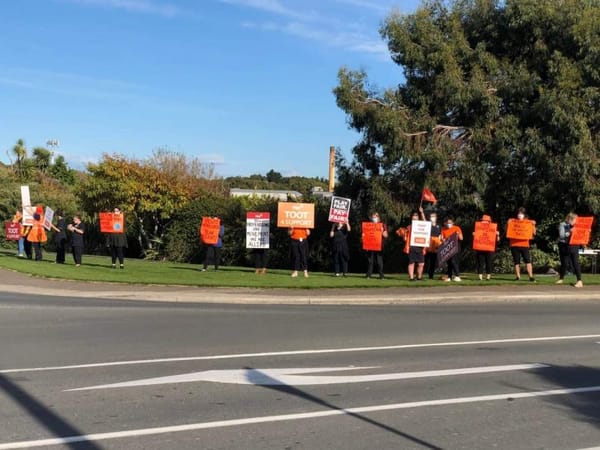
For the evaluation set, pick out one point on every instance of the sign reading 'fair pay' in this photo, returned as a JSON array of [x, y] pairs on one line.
[[339, 211], [295, 215]]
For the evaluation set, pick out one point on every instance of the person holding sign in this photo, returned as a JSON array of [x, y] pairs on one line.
[[373, 235], [17, 219], [416, 255], [434, 244], [520, 232], [37, 235], [212, 240], [569, 254], [117, 240], [341, 252], [77, 229], [454, 262], [299, 249], [485, 238]]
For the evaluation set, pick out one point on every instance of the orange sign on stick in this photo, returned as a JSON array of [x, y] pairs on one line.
[[581, 232], [484, 236], [209, 230], [112, 222], [295, 215], [520, 229], [372, 236]]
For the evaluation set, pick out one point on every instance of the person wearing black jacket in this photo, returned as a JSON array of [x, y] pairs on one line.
[[60, 237], [77, 229]]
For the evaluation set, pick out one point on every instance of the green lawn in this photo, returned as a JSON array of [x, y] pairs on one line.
[[98, 268]]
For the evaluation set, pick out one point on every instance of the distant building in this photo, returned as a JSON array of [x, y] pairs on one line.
[[320, 193], [277, 194]]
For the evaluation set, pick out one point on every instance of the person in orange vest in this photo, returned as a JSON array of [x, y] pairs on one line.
[[453, 263], [520, 248], [376, 256], [37, 235], [299, 248], [485, 258], [416, 255]]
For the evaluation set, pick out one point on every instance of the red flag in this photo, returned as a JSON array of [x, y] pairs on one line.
[[428, 196]]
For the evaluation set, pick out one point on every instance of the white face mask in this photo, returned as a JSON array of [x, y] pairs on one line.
[[374, 219], [520, 216], [449, 225]]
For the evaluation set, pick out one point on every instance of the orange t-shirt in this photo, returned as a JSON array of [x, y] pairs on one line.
[[299, 233], [447, 232]]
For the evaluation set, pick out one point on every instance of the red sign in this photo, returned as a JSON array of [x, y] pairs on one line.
[[485, 236], [12, 231], [372, 236], [112, 222], [581, 232], [209, 230]]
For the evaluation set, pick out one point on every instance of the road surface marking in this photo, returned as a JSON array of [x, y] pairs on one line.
[[288, 417], [295, 377], [301, 352]]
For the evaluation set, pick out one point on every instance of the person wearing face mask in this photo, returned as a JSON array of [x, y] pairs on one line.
[[453, 263], [519, 247], [416, 255], [434, 244], [569, 254], [376, 256], [341, 252]]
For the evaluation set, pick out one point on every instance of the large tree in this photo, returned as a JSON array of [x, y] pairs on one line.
[[498, 106]]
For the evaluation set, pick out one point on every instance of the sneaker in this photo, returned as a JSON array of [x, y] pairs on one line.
[[381, 277], [113, 266], [294, 274], [488, 277], [579, 284], [561, 281], [456, 279], [448, 279], [306, 274], [337, 274], [122, 266], [480, 277], [203, 270]]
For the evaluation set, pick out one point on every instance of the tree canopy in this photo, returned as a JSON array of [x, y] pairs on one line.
[[497, 107]]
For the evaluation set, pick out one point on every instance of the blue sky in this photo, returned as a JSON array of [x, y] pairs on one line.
[[245, 84]]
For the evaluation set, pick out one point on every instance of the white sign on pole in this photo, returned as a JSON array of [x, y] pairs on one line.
[[26, 203], [257, 229], [420, 233], [48, 218]]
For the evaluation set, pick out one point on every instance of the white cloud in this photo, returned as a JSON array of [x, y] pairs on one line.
[[378, 7], [136, 6], [273, 7]]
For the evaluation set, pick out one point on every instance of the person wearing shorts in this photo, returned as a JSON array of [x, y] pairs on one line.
[[519, 248]]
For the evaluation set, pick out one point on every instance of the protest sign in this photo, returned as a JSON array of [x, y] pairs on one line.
[[520, 229], [339, 211], [12, 231], [257, 229], [448, 249], [48, 217], [26, 202], [420, 233], [581, 232], [112, 222], [209, 230], [372, 236], [485, 236], [295, 215]]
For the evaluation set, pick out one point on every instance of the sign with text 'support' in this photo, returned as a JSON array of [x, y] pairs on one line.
[[420, 233], [339, 211], [448, 249], [295, 215], [257, 229]]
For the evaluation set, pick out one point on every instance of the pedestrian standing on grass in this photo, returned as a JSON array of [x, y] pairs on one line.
[[454, 262], [37, 235], [60, 237], [299, 250], [213, 251], [77, 229], [117, 243], [569, 254], [375, 257], [341, 252], [519, 248]]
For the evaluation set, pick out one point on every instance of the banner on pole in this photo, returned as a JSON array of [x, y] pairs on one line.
[[372, 236], [339, 211], [209, 230], [420, 233], [448, 249], [112, 222], [26, 202], [485, 236], [295, 215], [258, 229]]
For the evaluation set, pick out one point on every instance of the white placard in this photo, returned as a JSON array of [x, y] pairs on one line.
[[26, 203], [258, 229], [48, 217], [420, 233]]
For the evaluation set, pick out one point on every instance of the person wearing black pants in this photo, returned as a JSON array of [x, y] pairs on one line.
[[60, 237], [77, 228], [299, 250], [341, 253], [213, 251], [260, 260], [569, 254], [117, 242]]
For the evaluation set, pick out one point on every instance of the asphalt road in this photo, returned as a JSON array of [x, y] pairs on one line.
[[148, 375]]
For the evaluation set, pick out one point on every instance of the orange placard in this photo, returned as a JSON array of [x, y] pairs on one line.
[[295, 215], [485, 236], [581, 232], [112, 222], [520, 229], [209, 230], [372, 236]]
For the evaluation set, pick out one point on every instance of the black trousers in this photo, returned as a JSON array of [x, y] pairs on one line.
[[372, 259], [340, 260], [260, 258], [484, 262], [77, 254], [61, 251], [37, 248], [569, 255], [213, 255], [28, 249], [299, 254], [116, 253], [453, 266], [431, 263]]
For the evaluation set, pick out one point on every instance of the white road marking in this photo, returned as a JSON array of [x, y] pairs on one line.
[[294, 377], [289, 417], [301, 352]]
